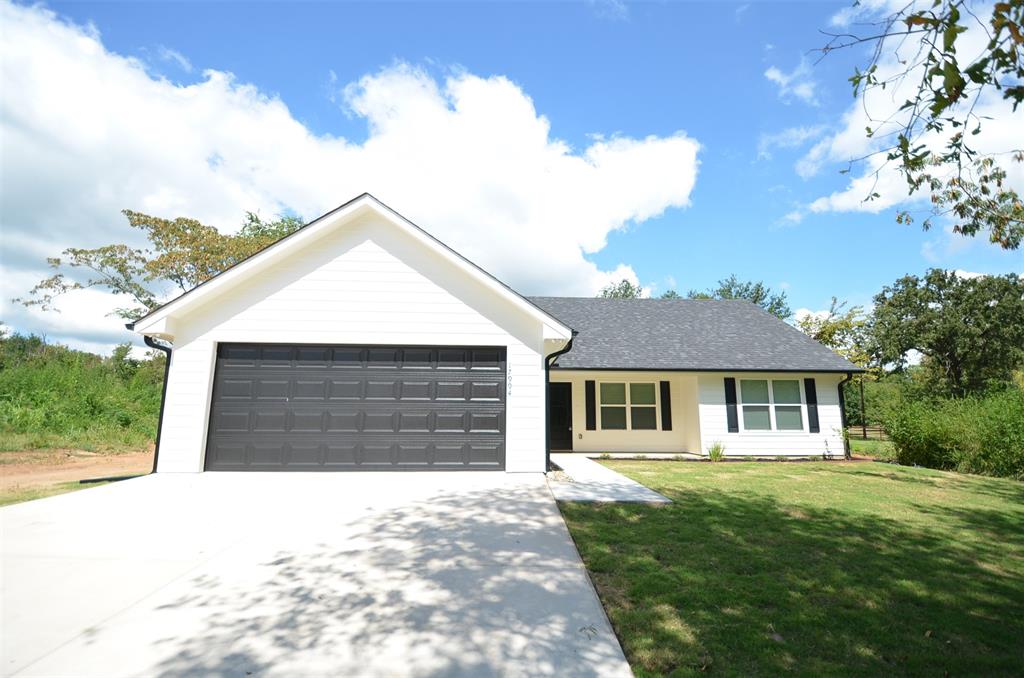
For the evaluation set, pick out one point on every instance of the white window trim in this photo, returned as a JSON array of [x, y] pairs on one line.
[[628, 405], [774, 430]]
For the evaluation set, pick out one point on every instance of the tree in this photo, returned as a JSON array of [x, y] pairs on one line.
[[841, 329], [929, 136], [754, 292], [671, 294], [182, 253], [970, 331], [623, 289]]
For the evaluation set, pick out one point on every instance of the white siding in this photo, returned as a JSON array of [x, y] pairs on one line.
[[367, 283], [685, 433], [714, 425]]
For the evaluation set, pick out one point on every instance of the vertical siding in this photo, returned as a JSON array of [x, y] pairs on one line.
[[684, 436], [369, 283], [714, 428]]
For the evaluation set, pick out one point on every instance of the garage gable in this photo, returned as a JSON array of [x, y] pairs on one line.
[[363, 246]]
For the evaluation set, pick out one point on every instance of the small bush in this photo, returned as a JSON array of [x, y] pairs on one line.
[[971, 435], [716, 452]]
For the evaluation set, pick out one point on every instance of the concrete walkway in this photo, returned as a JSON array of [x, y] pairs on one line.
[[300, 574], [593, 482]]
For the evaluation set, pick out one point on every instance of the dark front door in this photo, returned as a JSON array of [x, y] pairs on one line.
[[560, 416], [357, 408]]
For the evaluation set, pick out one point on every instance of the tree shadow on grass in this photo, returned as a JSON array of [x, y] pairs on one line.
[[747, 585], [1003, 489], [476, 582]]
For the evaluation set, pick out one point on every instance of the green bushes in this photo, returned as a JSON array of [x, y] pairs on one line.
[[983, 435], [52, 396]]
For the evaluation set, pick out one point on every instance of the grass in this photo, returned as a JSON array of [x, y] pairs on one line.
[[811, 569], [19, 494], [880, 449]]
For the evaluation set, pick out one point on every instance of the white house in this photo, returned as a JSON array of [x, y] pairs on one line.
[[360, 342]]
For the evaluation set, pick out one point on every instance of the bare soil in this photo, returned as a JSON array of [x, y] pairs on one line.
[[36, 469]]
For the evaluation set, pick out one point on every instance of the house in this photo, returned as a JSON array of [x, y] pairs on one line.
[[360, 342]]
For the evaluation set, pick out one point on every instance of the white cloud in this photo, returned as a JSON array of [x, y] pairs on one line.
[[174, 56], [791, 137], [613, 10], [797, 84], [468, 158], [793, 217], [802, 313], [1000, 125]]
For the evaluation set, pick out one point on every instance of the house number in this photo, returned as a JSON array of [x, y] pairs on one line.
[[508, 380]]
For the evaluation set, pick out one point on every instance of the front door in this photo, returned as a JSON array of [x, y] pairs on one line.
[[560, 416]]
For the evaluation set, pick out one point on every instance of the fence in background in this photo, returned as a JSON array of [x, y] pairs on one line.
[[868, 432]]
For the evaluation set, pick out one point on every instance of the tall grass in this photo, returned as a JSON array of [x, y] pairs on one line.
[[53, 396], [983, 435]]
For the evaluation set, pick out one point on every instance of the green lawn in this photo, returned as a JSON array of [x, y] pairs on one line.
[[811, 568], [881, 449]]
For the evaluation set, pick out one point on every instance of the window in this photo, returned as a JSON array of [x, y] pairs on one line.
[[642, 413], [638, 401], [614, 417], [771, 404], [788, 414]]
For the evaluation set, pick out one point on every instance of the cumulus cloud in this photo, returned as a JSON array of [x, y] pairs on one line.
[[87, 132], [797, 84], [1000, 127]]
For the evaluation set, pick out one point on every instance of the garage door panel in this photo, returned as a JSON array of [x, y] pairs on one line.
[[381, 390], [227, 455], [231, 422], [345, 389], [270, 421], [268, 453], [340, 455], [415, 390], [343, 422], [306, 455], [272, 389], [314, 390], [317, 407]]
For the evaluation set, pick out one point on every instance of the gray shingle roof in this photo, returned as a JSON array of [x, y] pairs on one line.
[[685, 334]]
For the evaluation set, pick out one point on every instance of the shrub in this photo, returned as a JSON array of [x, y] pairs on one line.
[[973, 435], [716, 452], [53, 396]]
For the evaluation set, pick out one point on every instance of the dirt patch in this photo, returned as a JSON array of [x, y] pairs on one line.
[[31, 469]]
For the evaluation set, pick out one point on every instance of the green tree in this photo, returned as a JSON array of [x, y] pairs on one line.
[[970, 331], [841, 329], [623, 289], [182, 253], [671, 294], [754, 292], [929, 138]]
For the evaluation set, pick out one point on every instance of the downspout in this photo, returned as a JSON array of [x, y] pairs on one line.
[[842, 415], [163, 392], [547, 409]]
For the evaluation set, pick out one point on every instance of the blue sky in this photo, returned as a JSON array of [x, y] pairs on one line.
[[607, 69]]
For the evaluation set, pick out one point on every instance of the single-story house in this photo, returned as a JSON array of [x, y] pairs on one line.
[[360, 342]]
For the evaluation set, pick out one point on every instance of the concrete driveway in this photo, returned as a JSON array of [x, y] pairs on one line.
[[417, 574]]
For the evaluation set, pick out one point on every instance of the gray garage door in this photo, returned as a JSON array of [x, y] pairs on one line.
[[357, 408]]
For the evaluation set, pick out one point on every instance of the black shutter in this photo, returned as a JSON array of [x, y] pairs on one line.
[[666, 407], [811, 391], [591, 406], [730, 405]]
